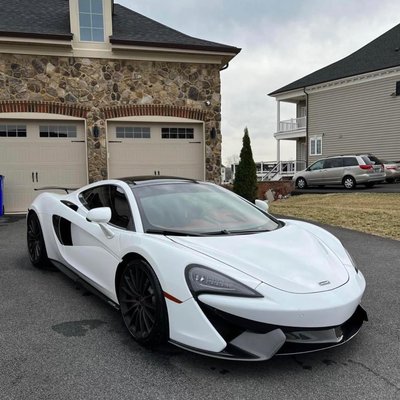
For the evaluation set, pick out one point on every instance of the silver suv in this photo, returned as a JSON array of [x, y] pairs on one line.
[[349, 171]]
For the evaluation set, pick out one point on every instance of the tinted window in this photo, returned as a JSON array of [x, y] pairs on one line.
[[350, 162], [372, 160], [96, 197], [317, 165], [113, 197], [333, 163]]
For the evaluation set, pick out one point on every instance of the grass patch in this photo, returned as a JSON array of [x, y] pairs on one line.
[[376, 213]]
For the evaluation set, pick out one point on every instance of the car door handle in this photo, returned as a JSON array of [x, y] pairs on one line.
[[37, 177], [33, 177]]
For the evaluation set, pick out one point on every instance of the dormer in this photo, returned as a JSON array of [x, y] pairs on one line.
[[91, 23]]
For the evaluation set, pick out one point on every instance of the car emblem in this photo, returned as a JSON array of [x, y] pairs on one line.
[[324, 283]]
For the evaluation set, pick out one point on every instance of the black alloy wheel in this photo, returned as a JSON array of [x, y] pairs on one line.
[[142, 304], [36, 246]]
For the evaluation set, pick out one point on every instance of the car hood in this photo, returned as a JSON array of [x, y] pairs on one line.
[[290, 258]]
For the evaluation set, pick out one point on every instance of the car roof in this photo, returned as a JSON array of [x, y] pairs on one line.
[[153, 179]]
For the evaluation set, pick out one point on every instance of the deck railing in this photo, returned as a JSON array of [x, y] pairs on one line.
[[292, 124]]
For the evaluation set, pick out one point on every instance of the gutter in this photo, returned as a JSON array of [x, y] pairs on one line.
[[307, 124]]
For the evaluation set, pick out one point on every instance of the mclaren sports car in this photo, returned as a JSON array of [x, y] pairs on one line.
[[194, 264]]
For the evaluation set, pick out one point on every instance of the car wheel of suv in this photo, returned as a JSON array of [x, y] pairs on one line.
[[142, 304], [301, 183], [349, 182]]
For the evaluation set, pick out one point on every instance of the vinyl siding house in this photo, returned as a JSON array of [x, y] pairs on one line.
[[91, 90], [350, 106]]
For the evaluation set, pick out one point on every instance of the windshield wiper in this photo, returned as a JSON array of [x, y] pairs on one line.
[[221, 232], [236, 232], [173, 233]]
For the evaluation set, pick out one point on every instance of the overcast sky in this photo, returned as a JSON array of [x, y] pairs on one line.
[[281, 41]]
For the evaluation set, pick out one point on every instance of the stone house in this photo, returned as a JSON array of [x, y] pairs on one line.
[[350, 106], [91, 90]]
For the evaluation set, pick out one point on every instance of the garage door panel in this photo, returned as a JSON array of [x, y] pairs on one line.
[[147, 156], [53, 161]]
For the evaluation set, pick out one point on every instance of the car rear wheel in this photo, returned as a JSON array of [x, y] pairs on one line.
[[349, 182], [301, 183], [142, 304], [36, 246]]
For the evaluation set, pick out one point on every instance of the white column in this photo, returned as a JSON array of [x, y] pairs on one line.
[[278, 115], [278, 150]]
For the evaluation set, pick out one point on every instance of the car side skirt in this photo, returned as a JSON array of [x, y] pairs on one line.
[[84, 283]]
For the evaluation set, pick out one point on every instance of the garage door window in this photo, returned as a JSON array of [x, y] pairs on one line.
[[133, 132], [57, 131], [177, 133], [12, 130]]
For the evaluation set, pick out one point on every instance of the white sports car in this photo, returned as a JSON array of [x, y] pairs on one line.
[[194, 264]]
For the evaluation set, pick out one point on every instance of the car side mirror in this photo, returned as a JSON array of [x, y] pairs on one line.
[[262, 205], [101, 216]]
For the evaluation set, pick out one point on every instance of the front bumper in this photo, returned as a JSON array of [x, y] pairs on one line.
[[254, 341]]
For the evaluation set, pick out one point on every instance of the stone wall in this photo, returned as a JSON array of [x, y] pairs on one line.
[[99, 83]]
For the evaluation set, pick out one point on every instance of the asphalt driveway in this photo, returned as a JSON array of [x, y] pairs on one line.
[[59, 342], [381, 188]]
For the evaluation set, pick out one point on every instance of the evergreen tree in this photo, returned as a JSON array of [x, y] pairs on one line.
[[245, 183]]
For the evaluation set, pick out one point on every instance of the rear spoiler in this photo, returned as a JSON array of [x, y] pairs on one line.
[[67, 190]]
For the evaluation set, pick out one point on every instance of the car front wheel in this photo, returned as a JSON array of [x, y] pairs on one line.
[[301, 183], [142, 304], [349, 182]]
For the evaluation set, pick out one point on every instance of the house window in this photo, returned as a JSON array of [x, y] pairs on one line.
[[177, 133], [130, 132], [12, 130], [316, 146], [91, 21], [57, 131]]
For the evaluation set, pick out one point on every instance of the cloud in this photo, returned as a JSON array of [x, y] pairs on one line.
[[281, 41]]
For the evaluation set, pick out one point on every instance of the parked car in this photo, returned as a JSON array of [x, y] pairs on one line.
[[349, 171], [196, 265], [392, 170]]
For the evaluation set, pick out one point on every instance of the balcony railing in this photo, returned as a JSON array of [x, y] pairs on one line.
[[292, 124], [284, 169]]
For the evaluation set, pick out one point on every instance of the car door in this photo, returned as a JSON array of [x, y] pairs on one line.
[[315, 173], [92, 254], [333, 171]]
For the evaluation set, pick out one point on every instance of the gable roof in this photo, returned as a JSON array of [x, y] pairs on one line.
[[130, 27], [50, 19], [36, 19], [381, 53]]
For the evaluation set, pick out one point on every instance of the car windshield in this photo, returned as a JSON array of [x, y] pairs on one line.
[[191, 208]]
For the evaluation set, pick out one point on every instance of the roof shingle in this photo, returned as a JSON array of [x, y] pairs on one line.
[[45, 18], [381, 53]]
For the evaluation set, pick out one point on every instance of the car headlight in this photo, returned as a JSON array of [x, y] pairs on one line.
[[352, 261], [205, 280]]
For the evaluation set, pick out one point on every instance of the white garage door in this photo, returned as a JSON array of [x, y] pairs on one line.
[[35, 154], [172, 149]]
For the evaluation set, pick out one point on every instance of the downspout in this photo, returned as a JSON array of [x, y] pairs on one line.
[[307, 125]]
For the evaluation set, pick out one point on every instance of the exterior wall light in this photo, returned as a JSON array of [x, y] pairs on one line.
[[96, 131], [213, 133]]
